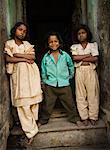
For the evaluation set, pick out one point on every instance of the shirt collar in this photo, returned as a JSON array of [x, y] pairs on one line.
[[60, 51]]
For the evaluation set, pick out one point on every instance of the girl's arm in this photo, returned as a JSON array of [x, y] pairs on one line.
[[80, 57], [16, 59], [92, 59], [26, 56]]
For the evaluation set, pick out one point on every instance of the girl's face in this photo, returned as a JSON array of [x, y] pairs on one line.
[[53, 42], [82, 35], [21, 32]]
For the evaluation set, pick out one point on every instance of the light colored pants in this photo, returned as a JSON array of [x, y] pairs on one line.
[[87, 92], [28, 116]]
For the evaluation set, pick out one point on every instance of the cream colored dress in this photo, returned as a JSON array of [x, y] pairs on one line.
[[87, 84], [25, 85], [25, 77]]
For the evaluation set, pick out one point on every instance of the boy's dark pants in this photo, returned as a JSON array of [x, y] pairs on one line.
[[64, 94]]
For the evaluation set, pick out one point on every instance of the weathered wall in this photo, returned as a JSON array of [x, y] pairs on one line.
[[4, 96], [92, 11], [16, 11], [11, 11], [103, 28], [76, 17]]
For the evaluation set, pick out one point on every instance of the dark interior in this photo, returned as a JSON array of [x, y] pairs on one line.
[[46, 15]]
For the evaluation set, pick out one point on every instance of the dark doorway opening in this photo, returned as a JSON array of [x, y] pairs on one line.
[[46, 15]]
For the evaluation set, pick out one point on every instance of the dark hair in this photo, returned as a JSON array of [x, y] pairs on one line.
[[54, 34], [86, 28], [13, 30]]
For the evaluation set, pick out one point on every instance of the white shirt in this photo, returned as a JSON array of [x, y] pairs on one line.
[[91, 48]]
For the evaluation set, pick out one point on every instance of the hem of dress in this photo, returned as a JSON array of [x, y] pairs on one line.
[[27, 101]]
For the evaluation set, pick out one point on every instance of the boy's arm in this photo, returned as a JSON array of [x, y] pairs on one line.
[[70, 66], [43, 72]]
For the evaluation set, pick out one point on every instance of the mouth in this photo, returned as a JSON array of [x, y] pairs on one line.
[[21, 36]]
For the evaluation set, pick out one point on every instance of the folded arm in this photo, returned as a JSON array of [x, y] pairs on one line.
[[91, 59], [79, 58], [26, 56], [17, 59]]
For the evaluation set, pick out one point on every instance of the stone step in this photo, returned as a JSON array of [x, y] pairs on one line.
[[93, 147], [58, 113], [61, 133]]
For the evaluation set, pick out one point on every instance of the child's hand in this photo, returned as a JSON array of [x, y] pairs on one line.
[[15, 55], [88, 55], [29, 61], [43, 86]]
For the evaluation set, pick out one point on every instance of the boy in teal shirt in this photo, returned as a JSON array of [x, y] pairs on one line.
[[57, 69], [57, 74]]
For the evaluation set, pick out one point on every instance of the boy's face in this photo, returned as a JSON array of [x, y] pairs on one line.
[[82, 35], [21, 32], [53, 42]]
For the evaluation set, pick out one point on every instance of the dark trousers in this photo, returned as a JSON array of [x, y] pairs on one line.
[[64, 94]]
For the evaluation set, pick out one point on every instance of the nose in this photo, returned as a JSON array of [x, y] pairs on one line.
[[22, 32]]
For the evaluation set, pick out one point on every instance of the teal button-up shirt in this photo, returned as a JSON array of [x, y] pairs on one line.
[[57, 74]]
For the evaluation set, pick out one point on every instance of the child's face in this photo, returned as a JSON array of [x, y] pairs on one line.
[[53, 42], [21, 32], [82, 35]]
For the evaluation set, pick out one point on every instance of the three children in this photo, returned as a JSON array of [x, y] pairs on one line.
[[57, 69]]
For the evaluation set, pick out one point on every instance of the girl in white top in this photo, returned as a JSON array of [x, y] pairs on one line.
[[26, 91], [85, 55]]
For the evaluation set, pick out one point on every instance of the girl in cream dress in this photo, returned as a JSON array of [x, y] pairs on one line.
[[26, 93]]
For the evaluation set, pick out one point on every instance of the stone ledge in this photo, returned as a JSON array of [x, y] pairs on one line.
[[59, 125], [61, 133]]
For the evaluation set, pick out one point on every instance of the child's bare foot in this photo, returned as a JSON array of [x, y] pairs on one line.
[[85, 122], [79, 123], [30, 140], [93, 122], [39, 124]]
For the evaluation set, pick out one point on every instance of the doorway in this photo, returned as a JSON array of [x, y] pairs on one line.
[[47, 15]]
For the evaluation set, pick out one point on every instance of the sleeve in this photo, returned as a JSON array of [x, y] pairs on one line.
[[70, 66], [94, 49], [8, 50], [43, 70], [73, 49]]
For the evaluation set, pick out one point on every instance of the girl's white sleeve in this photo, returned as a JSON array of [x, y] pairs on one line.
[[94, 49], [8, 50], [73, 49]]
